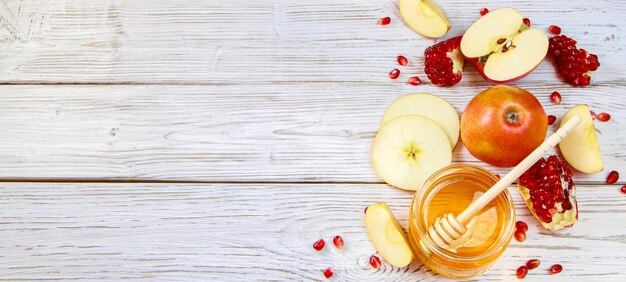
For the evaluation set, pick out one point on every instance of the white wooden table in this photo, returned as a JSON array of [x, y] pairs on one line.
[[217, 140]]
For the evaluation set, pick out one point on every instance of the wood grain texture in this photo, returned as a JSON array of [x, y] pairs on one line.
[[268, 41], [292, 133], [247, 232]]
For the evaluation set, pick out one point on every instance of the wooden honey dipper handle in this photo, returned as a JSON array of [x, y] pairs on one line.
[[517, 171]]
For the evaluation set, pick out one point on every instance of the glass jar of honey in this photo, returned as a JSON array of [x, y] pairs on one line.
[[451, 190]]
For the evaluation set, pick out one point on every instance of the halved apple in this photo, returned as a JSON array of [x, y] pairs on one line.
[[387, 235], [424, 17], [408, 149], [430, 106], [502, 48], [580, 147]]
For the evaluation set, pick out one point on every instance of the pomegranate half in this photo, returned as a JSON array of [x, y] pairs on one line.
[[549, 192]]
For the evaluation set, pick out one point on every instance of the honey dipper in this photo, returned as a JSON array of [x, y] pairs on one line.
[[449, 228]]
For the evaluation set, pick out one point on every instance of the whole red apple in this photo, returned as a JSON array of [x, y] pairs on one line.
[[503, 124]]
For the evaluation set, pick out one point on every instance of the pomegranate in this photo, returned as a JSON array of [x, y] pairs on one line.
[[533, 263], [319, 244], [338, 241], [623, 189], [557, 268], [520, 235], [555, 29], [549, 192], [384, 21], [526, 22], [551, 119], [521, 272], [375, 262], [328, 273], [575, 65], [612, 177], [394, 73], [415, 81], [555, 97], [521, 226], [603, 117], [402, 60], [484, 11]]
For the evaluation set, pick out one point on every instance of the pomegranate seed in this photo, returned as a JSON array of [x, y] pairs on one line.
[[328, 273], [551, 119], [394, 73], [498, 176], [527, 22], [555, 97], [593, 114], [520, 235], [555, 29], [415, 81], [557, 268], [319, 245], [623, 189], [484, 11], [338, 241], [533, 263], [402, 60], [603, 117], [521, 272], [612, 178], [375, 262], [521, 226], [384, 21]]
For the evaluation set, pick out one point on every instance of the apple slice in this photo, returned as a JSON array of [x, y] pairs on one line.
[[408, 149], [430, 106], [580, 148], [387, 235], [502, 48], [424, 17]]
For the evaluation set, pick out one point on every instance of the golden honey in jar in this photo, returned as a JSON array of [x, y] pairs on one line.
[[451, 190]]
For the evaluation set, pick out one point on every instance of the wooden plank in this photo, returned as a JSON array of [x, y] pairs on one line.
[[234, 232], [295, 133], [269, 41]]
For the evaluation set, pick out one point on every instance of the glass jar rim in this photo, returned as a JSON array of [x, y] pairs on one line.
[[422, 233]]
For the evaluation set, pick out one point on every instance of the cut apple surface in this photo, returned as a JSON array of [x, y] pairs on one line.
[[502, 48], [580, 147], [387, 235], [424, 17], [408, 149], [430, 106]]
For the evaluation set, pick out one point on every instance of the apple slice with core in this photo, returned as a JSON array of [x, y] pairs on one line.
[[502, 48], [430, 106], [424, 17], [387, 235], [580, 147], [408, 149]]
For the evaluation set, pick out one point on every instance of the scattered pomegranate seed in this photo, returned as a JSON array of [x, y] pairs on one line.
[[319, 245], [533, 263], [551, 119], [521, 272], [593, 114], [612, 178], [375, 262], [328, 273], [521, 226], [623, 189], [415, 81], [384, 21], [527, 22], [338, 241], [498, 176], [520, 235], [557, 268], [484, 11], [394, 73], [555, 97], [555, 29], [603, 117], [402, 60]]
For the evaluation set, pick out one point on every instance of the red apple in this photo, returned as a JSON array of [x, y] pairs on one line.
[[503, 124], [502, 48]]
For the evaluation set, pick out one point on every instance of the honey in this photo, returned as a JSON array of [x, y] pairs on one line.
[[489, 233]]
